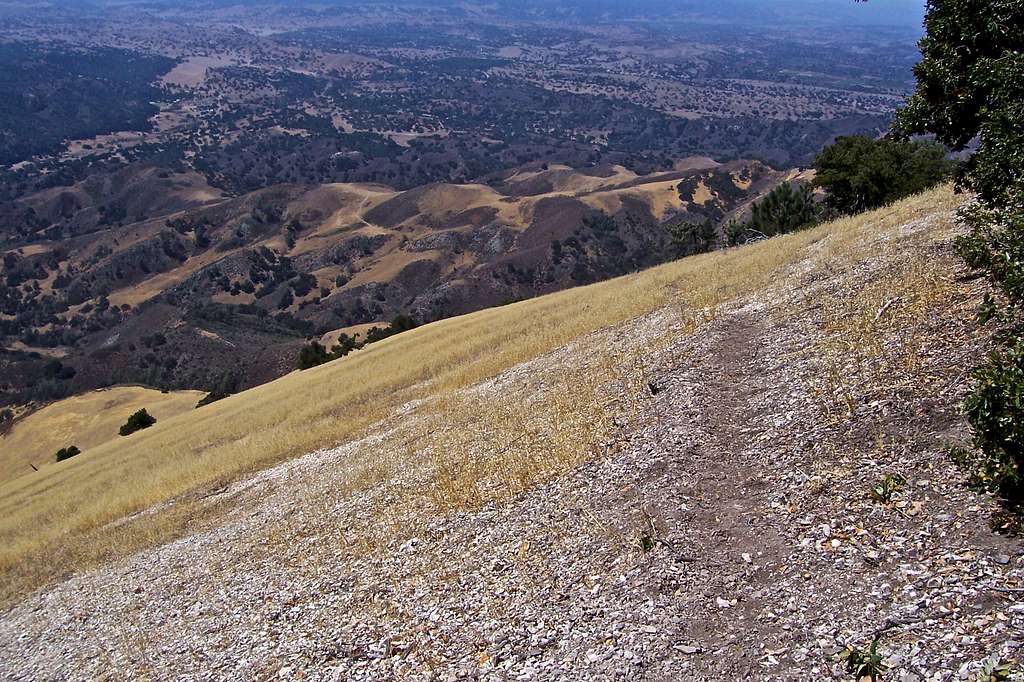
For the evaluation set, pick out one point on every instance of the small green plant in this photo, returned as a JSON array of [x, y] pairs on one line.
[[646, 542], [864, 664], [138, 421], [883, 491], [67, 453]]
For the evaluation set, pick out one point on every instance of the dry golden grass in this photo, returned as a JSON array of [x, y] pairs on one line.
[[69, 517], [87, 421], [881, 324]]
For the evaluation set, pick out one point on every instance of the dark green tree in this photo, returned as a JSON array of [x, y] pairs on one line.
[[971, 86], [346, 344], [138, 421], [859, 173], [401, 323], [67, 453], [312, 355], [225, 386], [286, 299], [785, 209], [690, 238]]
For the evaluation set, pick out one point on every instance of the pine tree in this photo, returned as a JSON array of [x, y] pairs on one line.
[[785, 209]]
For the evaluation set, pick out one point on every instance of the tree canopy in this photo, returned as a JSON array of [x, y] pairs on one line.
[[971, 86], [787, 208], [860, 173]]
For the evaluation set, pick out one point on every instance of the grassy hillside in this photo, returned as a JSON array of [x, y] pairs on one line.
[[86, 421], [73, 515], [156, 279]]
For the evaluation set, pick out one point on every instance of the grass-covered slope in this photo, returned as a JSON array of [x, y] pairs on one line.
[[476, 448], [84, 421]]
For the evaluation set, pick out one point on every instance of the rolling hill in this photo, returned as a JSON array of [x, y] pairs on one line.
[[85, 421], [153, 277]]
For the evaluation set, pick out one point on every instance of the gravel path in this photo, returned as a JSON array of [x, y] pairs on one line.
[[730, 537]]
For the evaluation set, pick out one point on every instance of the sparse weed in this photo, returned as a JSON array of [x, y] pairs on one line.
[[650, 535], [864, 664], [884, 491]]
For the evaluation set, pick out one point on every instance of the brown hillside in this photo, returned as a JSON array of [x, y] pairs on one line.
[[170, 284]]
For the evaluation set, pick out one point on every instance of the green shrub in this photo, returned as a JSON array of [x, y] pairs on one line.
[[312, 355], [211, 397], [859, 173], [138, 421], [227, 385], [315, 354], [785, 209], [67, 453], [970, 84], [346, 344], [995, 409], [692, 238]]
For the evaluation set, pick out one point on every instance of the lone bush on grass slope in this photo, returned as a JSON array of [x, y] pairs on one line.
[[67, 453], [138, 421]]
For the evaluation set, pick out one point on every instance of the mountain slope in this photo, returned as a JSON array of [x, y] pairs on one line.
[[664, 474], [198, 290]]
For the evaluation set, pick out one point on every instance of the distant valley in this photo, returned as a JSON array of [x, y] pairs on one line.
[[191, 192]]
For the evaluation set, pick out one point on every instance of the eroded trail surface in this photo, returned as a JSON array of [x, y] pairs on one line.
[[730, 535]]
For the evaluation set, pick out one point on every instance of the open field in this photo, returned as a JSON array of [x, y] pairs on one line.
[[85, 421], [68, 516]]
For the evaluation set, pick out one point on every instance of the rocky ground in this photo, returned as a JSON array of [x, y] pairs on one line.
[[729, 535]]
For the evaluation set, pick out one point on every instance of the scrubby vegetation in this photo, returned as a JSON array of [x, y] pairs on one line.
[[312, 355], [787, 208], [691, 238], [227, 385], [49, 96], [971, 85], [138, 421], [67, 453], [315, 354], [860, 173]]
